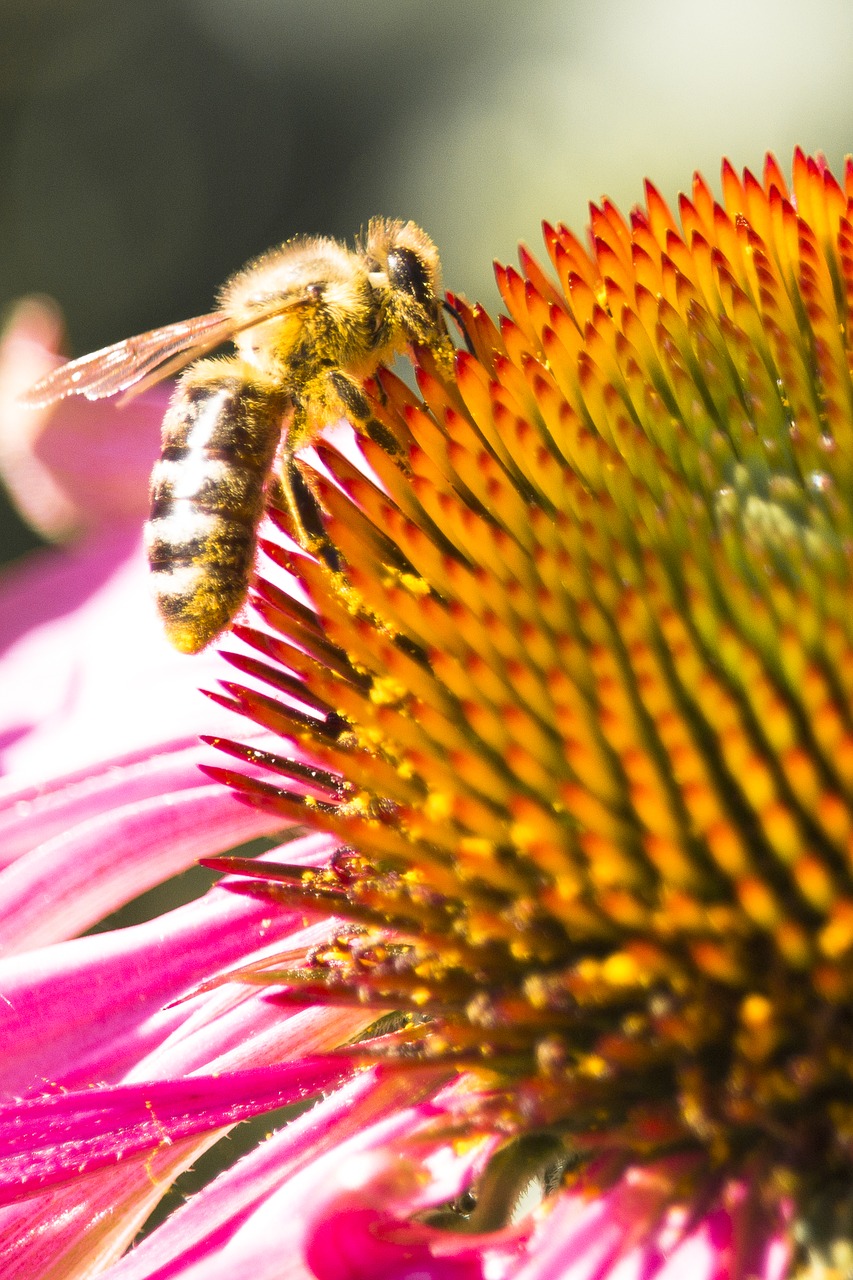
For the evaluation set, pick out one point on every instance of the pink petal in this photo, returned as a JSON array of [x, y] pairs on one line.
[[93, 1008], [31, 815], [86, 673], [251, 1220], [79, 877], [53, 1139], [632, 1232], [77, 465]]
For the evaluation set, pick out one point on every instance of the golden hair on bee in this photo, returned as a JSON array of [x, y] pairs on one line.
[[309, 321]]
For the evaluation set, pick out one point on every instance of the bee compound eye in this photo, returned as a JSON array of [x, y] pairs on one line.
[[407, 273]]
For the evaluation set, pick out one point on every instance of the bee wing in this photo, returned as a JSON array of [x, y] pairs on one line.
[[126, 363], [136, 363]]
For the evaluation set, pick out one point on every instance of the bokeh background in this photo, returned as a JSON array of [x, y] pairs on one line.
[[148, 149]]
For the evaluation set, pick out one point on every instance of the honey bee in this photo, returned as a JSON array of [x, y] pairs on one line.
[[310, 321]]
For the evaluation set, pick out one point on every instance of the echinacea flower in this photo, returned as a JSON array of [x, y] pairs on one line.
[[570, 719]]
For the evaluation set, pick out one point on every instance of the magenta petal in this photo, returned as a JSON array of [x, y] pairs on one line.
[[354, 1247], [50, 1140], [364, 1225], [359, 1240]]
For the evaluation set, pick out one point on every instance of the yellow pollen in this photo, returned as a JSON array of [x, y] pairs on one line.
[[387, 692], [417, 586]]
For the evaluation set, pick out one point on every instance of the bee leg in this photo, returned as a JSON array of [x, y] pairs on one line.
[[306, 514], [357, 409], [322, 401]]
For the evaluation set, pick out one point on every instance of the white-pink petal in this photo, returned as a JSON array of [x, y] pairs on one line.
[[75, 465], [86, 673], [74, 1232], [92, 1008], [77, 878]]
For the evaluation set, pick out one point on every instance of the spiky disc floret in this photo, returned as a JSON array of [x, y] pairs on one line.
[[580, 700]]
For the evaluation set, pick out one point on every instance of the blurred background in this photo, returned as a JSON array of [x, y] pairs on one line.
[[147, 150]]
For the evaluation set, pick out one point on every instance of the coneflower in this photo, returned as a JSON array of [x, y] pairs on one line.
[[571, 721]]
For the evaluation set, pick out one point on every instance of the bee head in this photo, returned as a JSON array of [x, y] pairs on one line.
[[406, 262]]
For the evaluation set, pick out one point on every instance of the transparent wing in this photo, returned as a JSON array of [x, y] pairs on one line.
[[139, 362], [125, 363]]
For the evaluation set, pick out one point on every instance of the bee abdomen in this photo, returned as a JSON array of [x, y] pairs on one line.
[[220, 436]]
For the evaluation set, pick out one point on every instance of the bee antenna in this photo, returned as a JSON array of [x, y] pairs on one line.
[[457, 316]]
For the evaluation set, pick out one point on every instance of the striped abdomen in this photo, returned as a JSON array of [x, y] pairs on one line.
[[220, 436]]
